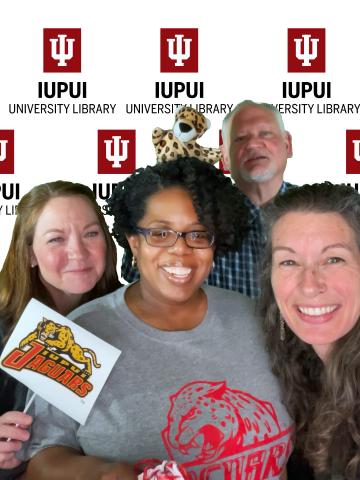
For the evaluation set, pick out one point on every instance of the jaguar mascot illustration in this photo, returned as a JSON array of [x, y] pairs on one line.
[[181, 140], [60, 339], [208, 421]]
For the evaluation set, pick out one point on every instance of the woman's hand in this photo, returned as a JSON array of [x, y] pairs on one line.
[[13, 431]]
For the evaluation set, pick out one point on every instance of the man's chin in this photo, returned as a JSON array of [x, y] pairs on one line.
[[257, 177]]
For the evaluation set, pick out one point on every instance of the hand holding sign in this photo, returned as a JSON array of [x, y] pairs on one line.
[[58, 360], [13, 426]]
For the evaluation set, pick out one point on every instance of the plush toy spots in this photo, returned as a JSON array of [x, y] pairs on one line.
[[181, 140]]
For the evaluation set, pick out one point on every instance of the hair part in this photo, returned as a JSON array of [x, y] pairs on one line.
[[18, 281], [323, 401], [216, 200], [229, 118]]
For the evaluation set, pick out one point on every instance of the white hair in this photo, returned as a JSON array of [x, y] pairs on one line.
[[228, 120]]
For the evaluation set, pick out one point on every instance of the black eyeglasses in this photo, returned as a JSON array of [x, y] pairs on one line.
[[164, 237]]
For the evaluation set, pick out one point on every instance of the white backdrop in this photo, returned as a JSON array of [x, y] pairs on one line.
[[242, 55]]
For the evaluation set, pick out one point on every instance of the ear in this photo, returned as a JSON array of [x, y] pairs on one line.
[[133, 241], [207, 123], [225, 157], [288, 141], [33, 259], [43, 322]]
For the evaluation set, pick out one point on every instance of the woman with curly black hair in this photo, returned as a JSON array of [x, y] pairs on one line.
[[192, 383], [311, 306]]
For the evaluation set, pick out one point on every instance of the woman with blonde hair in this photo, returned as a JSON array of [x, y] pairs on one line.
[[62, 254]]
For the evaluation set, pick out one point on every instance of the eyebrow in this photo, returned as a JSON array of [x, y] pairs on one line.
[[337, 245], [258, 125], [60, 230], [281, 248], [328, 247], [169, 224]]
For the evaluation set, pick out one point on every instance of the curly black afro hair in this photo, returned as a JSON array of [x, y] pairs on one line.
[[216, 200]]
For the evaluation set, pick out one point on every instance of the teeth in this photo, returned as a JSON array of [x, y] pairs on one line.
[[179, 271], [316, 311]]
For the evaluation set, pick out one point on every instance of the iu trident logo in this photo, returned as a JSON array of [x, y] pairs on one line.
[[178, 54], [6, 151], [116, 151], [178, 49], [62, 50], [353, 151], [306, 50]]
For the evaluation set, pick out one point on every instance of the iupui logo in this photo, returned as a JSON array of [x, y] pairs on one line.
[[47, 353], [223, 168], [306, 50], [353, 151], [178, 50], [116, 151], [6, 151], [219, 432], [62, 50]]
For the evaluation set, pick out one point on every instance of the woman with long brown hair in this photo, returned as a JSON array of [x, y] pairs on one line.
[[311, 306], [62, 254]]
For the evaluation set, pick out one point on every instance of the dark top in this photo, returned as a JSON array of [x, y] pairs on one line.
[[12, 397], [12, 393]]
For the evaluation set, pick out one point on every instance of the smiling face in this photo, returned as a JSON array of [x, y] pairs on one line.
[[259, 149], [170, 275], [68, 247], [316, 276]]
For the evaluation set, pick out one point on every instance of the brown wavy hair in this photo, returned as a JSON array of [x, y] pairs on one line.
[[18, 281], [324, 400]]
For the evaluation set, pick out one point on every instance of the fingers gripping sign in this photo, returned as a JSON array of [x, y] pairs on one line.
[[13, 431]]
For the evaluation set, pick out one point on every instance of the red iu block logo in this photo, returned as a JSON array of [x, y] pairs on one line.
[[6, 151], [116, 151], [353, 151], [62, 50], [178, 50], [306, 49]]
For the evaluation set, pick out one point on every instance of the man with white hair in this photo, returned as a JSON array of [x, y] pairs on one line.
[[256, 149]]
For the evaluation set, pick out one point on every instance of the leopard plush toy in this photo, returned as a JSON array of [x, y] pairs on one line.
[[181, 140]]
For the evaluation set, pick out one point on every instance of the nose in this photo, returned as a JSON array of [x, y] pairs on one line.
[[312, 282], [254, 141], [76, 248], [180, 247]]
